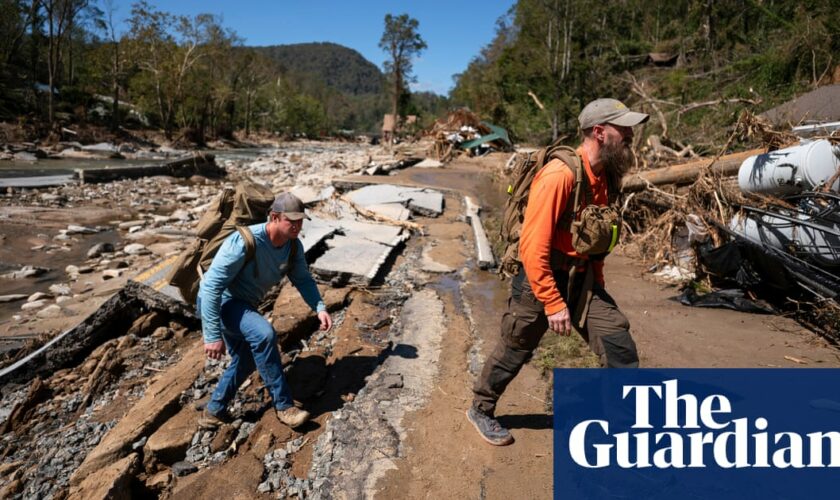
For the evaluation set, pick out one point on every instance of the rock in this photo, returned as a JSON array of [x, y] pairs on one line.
[[139, 444], [38, 296], [14, 297], [60, 289], [159, 481], [71, 269], [159, 402], [33, 305], [187, 197], [393, 380], [135, 229], [162, 333], [61, 299], [183, 468], [25, 272], [128, 224], [111, 274], [51, 311], [24, 156], [135, 249], [75, 229], [169, 443], [98, 249], [110, 481], [181, 215]]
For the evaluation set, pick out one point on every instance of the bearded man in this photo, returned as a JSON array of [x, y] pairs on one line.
[[542, 296]]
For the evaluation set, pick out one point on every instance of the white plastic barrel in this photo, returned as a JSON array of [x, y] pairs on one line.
[[804, 167]]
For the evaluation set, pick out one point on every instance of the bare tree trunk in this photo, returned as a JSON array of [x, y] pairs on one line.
[[248, 114]]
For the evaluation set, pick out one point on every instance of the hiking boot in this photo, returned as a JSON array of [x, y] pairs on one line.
[[292, 416], [489, 428], [209, 420]]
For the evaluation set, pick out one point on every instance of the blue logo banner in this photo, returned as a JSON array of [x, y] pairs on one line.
[[696, 433]]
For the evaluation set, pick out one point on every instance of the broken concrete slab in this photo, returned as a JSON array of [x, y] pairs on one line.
[[315, 231], [394, 211], [186, 167], [310, 196], [362, 440], [422, 201], [484, 252], [159, 403], [355, 259], [379, 233], [429, 163], [112, 317]]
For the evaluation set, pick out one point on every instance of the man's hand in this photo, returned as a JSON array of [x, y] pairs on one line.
[[561, 323], [326, 320], [215, 350]]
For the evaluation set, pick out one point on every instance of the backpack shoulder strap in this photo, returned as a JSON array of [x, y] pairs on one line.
[[581, 185], [250, 246]]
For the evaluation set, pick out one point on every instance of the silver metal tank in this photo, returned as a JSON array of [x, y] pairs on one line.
[[783, 172]]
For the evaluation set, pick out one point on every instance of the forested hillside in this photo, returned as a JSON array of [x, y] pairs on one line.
[[694, 65], [70, 62], [336, 66]]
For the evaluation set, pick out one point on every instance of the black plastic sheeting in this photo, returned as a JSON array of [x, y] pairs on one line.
[[725, 299], [744, 265]]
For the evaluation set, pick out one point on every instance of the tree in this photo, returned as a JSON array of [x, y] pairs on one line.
[[402, 42], [60, 15]]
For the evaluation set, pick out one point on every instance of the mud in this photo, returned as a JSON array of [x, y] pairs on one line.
[[387, 388]]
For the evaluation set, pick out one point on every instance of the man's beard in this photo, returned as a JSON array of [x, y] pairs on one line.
[[617, 158]]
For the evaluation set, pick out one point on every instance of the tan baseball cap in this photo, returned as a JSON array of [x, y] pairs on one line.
[[290, 206], [609, 111]]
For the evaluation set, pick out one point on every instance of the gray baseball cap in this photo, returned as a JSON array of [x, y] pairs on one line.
[[609, 111], [289, 205]]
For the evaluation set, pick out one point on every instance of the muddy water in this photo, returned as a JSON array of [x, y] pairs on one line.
[[16, 251], [481, 292]]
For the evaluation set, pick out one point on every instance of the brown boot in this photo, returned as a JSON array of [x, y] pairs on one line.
[[292, 416]]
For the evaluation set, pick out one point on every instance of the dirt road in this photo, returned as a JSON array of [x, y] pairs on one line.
[[444, 457], [388, 387]]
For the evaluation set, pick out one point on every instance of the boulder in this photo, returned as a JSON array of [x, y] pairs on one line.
[[169, 443], [111, 481]]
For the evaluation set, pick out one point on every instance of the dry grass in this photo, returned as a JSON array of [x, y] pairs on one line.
[[556, 351]]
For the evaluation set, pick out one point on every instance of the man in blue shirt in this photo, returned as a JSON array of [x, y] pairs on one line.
[[228, 297]]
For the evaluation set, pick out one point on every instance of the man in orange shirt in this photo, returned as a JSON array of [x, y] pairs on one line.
[[541, 297]]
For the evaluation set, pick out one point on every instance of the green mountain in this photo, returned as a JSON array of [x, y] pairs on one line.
[[334, 65]]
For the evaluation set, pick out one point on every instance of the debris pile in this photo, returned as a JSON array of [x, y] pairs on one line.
[[768, 241], [461, 131], [112, 403]]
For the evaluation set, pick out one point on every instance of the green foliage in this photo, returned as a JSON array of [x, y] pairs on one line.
[[565, 53], [401, 40], [190, 76], [338, 67]]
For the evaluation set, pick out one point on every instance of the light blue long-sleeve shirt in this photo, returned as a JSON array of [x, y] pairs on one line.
[[227, 277]]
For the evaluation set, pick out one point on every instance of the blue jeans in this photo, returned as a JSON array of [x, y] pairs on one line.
[[252, 343]]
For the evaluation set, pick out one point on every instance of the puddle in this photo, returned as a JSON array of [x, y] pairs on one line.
[[15, 252]]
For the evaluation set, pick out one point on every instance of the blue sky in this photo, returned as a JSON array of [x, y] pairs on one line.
[[455, 31]]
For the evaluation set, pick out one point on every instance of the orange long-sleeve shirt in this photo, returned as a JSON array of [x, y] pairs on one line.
[[551, 188]]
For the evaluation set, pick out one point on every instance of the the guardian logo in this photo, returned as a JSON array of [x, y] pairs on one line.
[[696, 433]]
